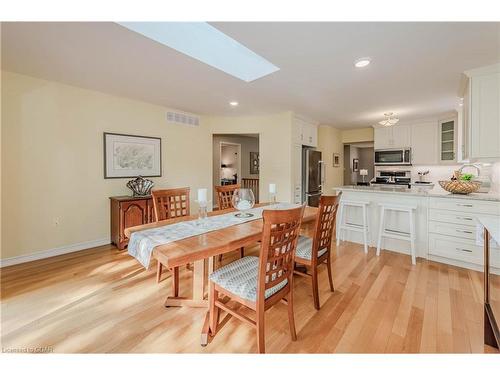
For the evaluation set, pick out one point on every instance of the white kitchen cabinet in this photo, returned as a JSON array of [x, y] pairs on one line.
[[463, 128], [452, 229], [401, 136], [382, 138], [483, 113], [448, 140], [304, 132], [309, 134], [424, 143], [396, 136], [297, 173]]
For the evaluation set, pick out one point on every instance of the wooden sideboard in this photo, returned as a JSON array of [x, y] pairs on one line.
[[128, 211]]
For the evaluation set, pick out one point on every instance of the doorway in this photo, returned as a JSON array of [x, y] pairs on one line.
[[358, 157], [236, 161], [230, 163]]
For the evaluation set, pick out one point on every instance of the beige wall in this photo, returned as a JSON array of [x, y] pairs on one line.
[[357, 135], [329, 142], [52, 160], [275, 147]]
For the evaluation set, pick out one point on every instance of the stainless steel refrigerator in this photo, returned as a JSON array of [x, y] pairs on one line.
[[313, 176]]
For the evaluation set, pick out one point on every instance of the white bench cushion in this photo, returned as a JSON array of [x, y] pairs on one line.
[[304, 248], [240, 278]]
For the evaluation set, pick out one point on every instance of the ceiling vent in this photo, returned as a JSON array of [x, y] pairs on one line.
[[183, 119]]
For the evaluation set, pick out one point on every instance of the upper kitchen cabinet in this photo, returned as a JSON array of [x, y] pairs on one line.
[[424, 143], [397, 136], [448, 140], [481, 121], [305, 132]]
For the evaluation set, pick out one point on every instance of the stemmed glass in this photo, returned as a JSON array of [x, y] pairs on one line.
[[243, 200]]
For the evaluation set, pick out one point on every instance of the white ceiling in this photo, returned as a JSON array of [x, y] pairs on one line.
[[415, 70]]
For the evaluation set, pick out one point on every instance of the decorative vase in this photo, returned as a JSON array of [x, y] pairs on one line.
[[140, 186]]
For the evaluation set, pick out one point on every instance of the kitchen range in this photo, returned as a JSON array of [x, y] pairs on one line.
[[392, 178]]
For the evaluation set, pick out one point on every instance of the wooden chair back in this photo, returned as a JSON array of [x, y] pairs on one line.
[[325, 223], [225, 195], [170, 203], [252, 184], [281, 230]]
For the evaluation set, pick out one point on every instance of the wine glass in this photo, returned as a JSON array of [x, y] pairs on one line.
[[243, 200]]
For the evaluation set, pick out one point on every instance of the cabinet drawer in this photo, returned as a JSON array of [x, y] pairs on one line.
[[466, 205], [452, 217], [455, 248], [455, 230]]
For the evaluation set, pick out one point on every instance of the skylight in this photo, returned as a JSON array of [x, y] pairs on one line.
[[208, 45]]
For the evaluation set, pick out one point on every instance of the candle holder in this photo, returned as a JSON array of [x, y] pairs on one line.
[[202, 212]]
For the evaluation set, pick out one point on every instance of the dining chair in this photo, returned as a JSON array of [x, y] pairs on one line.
[[225, 195], [169, 204], [312, 252], [224, 201], [258, 283]]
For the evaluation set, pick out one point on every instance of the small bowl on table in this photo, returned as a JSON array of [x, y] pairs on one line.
[[460, 186]]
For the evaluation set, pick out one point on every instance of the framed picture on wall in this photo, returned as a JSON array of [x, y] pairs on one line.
[[254, 163], [128, 156], [336, 160]]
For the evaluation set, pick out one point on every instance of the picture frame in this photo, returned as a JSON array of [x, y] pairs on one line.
[[336, 160], [130, 156], [254, 162]]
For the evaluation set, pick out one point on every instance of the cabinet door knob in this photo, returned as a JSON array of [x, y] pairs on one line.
[[466, 250], [464, 218]]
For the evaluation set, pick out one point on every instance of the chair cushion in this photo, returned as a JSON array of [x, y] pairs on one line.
[[304, 248], [240, 278]]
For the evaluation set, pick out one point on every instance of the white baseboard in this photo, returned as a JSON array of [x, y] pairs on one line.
[[53, 252]]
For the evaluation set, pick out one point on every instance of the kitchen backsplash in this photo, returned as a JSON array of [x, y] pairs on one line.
[[444, 172]]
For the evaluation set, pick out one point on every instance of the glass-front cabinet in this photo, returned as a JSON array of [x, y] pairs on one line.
[[447, 140]]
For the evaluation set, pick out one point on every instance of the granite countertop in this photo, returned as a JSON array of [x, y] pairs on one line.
[[436, 191], [493, 226]]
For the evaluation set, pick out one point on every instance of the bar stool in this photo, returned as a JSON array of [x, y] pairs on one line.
[[343, 225], [389, 233]]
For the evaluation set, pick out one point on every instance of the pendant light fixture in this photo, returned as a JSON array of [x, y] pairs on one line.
[[389, 120]]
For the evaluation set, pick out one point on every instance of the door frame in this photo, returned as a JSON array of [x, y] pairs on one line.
[[224, 143]]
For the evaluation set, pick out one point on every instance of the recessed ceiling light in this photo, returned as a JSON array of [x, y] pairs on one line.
[[361, 63], [207, 44], [233, 104]]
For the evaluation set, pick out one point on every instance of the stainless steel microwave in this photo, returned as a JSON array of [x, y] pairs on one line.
[[395, 156]]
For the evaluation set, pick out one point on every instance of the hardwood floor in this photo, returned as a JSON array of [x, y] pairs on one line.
[[102, 300]]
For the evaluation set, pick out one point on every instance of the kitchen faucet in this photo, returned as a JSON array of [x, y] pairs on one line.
[[470, 165]]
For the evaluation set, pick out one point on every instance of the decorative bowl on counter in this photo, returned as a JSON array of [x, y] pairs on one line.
[[460, 186]]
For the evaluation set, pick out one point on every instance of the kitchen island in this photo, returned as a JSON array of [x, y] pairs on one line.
[[445, 224]]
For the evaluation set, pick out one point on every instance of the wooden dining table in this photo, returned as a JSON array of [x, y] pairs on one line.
[[202, 250]]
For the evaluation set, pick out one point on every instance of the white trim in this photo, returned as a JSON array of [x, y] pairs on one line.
[[53, 252]]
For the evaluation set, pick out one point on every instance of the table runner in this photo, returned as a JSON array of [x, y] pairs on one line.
[[143, 242]]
